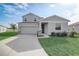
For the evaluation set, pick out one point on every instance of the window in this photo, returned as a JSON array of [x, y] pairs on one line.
[[35, 19], [58, 26], [25, 19]]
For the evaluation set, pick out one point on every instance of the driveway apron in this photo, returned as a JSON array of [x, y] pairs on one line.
[[27, 45]]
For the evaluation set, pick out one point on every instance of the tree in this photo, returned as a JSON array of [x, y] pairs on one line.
[[13, 26], [72, 34]]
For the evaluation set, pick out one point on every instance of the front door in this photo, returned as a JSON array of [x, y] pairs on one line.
[[42, 28]]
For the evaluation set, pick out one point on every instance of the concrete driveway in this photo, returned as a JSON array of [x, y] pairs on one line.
[[25, 45]]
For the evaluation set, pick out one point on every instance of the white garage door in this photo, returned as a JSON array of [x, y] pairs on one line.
[[29, 29]]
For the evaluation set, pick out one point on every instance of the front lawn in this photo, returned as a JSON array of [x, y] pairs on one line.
[[61, 46], [5, 35]]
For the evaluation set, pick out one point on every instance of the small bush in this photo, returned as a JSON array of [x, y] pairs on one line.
[[64, 33], [72, 34], [52, 34], [59, 34]]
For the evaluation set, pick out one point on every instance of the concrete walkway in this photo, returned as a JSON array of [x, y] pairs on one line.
[[37, 52], [22, 45], [4, 49]]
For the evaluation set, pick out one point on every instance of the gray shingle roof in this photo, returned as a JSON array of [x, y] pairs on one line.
[[3, 26], [32, 14], [76, 23], [54, 17]]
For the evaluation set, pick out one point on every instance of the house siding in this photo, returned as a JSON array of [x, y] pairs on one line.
[[46, 28], [76, 28], [52, 25], [31, 18], [52, 20], [3, 29]]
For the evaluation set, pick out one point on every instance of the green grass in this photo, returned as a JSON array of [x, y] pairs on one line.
[[61, 46], [5, 35]]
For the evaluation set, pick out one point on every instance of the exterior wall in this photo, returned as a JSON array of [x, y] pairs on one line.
[[31, 18], [52, 20], [46, 28], [52, 25], [76, 28], [3, 29]]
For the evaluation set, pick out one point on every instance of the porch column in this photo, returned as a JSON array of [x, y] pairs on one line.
[[40, 28]]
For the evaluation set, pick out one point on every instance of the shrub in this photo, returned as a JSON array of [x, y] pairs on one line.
[[64, 33], [72, 34], [52, 34], [59, 34]]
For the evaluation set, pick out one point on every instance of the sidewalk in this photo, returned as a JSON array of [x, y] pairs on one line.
[[4, 49], [38, 52]]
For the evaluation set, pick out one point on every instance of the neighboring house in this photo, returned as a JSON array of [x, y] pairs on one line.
[[74, 26], [32, 24], [3, 28], [9, 29]]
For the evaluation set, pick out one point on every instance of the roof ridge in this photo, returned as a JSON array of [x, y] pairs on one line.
[[32, 14], [3, 26], [56, 16], [74, 23]]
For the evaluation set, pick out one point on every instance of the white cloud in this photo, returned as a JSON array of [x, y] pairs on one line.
[[8, 15], [16, 14], [67, 14], [66, 4], [76, 11], [72, 16], [75, 17], [9, 8], [22, 5], [18, 5], [52, 5]]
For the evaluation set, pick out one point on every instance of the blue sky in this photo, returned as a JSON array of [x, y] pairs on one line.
[[13, 12]]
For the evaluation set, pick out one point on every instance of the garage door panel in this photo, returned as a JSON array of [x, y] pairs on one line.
[[32, 29], [28, 29], [29, 26]]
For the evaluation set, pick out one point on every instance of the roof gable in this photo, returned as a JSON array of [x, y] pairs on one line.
[[76, 23], [3, 26], [50, 18], [31, 14], [55, 18]]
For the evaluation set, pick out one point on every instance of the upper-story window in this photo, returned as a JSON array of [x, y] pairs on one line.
[[25, 19], [58, 26], [35, 19]]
